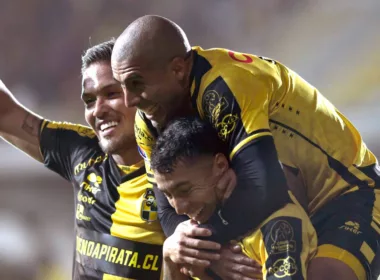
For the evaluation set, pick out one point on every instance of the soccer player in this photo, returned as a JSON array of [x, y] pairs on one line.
[[117, 232], [188, 160], [266, 113]]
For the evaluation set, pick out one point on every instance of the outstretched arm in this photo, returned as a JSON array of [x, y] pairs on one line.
[[18, 125]]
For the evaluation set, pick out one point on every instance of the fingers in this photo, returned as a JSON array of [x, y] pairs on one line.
[[194, 261], [197, 272], [245, 270], [184, 270], [196, 231], [235, 248], [202, 255], [236, 276], [250, 269], [199, 244], [239, 257], [243, 260]]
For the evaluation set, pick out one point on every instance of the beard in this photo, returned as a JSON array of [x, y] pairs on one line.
[[117, 145]]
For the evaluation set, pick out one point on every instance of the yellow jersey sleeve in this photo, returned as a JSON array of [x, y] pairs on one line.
[[284, 244], [145, 139], [235, 97]]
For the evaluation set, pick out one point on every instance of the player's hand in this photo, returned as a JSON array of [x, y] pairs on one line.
[[192, 271], [183, 247], [226, 184], [234, 265]]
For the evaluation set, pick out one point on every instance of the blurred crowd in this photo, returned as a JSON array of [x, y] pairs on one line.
[[332, 44]]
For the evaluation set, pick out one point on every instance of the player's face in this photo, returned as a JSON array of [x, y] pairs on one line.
[[160, 92], [192, 187], [105, 111]]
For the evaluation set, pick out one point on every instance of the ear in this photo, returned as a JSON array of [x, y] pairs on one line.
[[220, 165], [178, 67]]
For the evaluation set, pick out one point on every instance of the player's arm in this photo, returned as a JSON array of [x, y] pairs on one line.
[[239, 111], [145, 138], [285, 243], [18, 125]]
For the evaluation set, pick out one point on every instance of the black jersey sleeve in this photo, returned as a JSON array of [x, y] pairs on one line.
[[261, 190], [64, 143]]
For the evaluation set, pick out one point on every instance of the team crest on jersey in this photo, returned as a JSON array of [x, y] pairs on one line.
[[149, 206]]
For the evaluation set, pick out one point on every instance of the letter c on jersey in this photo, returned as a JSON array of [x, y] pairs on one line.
[[247, 59]]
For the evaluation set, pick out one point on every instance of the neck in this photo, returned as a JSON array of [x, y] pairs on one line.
[[129, 156]]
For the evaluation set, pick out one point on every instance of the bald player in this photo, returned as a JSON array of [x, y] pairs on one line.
[[266, 113]]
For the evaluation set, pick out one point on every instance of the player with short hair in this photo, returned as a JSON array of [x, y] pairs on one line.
[[266, 113], [117, 232], [188, 160]]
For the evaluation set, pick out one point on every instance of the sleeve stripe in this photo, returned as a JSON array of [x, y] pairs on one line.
[[254, 135], [42, 126]]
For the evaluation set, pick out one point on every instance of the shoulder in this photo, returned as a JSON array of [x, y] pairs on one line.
[[76, 129], [144, 131]]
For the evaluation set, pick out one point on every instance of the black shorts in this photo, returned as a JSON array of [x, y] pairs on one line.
[[348, 229]]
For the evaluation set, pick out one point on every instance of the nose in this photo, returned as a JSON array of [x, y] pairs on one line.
[[130, 99], [99, 108], [181, 205]]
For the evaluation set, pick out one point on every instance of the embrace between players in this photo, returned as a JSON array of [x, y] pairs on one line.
[[250, 172]]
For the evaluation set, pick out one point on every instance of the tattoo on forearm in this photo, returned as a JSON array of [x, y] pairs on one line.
[[31, 125]]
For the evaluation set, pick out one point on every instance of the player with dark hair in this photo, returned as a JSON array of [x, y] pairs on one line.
[[117, 232], [188, 160], [267, 114], [118, 235]]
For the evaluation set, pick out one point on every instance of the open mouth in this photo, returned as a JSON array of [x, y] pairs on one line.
[[151, 111], [107, 127]]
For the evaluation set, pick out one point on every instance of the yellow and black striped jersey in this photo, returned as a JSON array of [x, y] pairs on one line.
[[246, 97], [284, 243], [118, 235]]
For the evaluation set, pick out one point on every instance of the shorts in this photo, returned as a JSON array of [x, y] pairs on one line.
[[348, 229]]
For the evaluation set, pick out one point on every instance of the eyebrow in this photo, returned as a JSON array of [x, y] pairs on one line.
[[132, 76], [103, 88], [180, 186]]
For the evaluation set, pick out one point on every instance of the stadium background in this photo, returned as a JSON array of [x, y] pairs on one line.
[[334, 44]]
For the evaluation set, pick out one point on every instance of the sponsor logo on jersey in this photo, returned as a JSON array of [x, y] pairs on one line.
[[282, 234], [83, 165], [352, 227], [283, 268], [142, 135], [142, 153], [89, 188], [149, 206], [80, 213]]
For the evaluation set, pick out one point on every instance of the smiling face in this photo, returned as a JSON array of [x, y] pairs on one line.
[[191, 188], [105, 111], [159, 90]]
